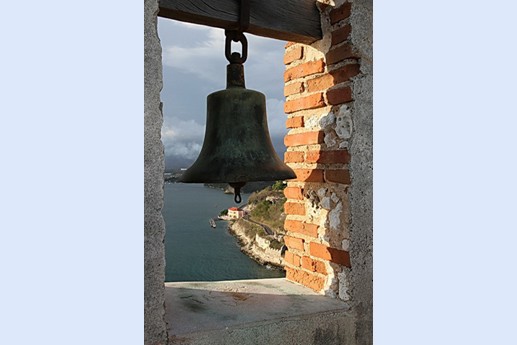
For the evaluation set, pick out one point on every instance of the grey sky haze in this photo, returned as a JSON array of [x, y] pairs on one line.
[[194, 66]]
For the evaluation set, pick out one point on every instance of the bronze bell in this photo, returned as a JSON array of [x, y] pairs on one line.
[[237, 147]]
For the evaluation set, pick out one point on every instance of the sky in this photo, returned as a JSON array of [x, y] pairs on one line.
[[194, 66]]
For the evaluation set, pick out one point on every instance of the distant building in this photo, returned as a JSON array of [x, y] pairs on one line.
[[235, 213]]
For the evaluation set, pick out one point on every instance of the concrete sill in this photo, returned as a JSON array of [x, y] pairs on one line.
[[259, 311]]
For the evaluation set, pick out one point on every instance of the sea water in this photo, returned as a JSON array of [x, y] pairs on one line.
[[194, 251]]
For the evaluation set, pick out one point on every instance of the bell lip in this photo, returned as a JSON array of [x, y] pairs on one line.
[[286, 175], [193, 180]]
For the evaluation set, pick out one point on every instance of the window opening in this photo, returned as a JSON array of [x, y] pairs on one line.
[[194, 66]]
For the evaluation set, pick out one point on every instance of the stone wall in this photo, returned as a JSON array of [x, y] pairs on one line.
[[154, 226], [328, 89]]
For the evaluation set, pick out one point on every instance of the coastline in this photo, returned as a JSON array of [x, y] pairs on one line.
[[191, 242], [256, 247]]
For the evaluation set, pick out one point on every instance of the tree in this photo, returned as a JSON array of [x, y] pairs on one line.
[[279, 185]]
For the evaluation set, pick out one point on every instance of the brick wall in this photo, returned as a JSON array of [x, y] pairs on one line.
[[319, 84]]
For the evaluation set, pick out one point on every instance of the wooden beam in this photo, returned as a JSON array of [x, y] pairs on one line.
[[289, 20]]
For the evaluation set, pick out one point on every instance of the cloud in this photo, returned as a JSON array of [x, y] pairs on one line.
[[199, 51], [276, 117], [182, 138], [265, 66], [201, 57]]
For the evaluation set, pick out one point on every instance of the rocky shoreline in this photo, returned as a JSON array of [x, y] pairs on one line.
[[256, 247]]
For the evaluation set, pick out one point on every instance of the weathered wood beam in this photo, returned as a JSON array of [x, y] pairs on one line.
[[289, 20]]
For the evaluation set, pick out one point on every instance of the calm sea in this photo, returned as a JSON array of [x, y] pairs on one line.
[[193, 250]]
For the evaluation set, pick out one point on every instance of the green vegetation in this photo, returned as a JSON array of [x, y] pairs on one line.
[[267, 207], [279, 185], [274, 244], [251, 229], [224, 212]]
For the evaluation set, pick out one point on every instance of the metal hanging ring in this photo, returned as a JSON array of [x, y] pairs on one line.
[[235, 36]]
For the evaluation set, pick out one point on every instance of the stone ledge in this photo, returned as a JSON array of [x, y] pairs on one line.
[[259, 311]]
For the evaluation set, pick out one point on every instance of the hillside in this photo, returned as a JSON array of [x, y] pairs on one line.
[[267, 207], [261, 231]]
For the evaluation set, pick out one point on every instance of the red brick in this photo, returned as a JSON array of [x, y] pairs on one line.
[[345, 73], [340, 13], [293, 225], [340, 34], [320, 267], [335, 77], [294, 122], [306, 263], [304, 70], [332, 254], [293, 193], [310, 280], [320, 83], [293, 54], [292, 259], [293, 157], [327, 157], [293, 242], [306, 138], [337, 176], [308, 102], [293, 88], [310, 229], [301, 228], [314, 282], [309, 175], [339, 96], [340, 53], [294, 208], [313, 265], [293, 275]]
